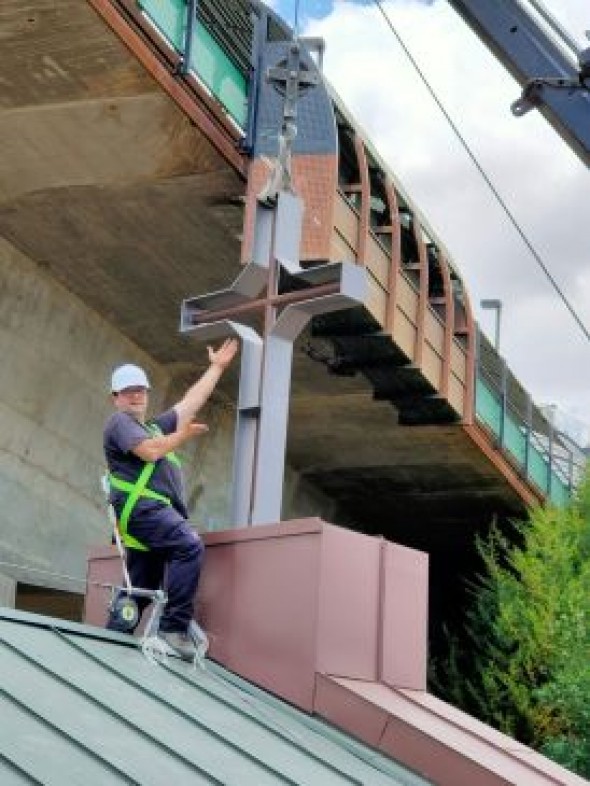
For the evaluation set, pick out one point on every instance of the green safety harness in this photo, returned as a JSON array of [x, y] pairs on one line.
[[139, 489]]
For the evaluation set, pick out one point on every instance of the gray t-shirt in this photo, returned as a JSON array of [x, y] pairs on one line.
[[121, 434]]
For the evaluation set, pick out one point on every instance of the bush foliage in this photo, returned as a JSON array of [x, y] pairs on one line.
[[524, 666]]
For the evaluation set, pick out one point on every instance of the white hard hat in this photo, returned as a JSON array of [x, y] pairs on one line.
[[128, 376]]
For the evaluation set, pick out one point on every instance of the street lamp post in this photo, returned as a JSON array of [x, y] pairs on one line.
[[495, 305]]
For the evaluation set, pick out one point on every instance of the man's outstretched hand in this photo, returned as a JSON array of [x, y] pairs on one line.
[[198, 394], [223, 356], [193, 429]]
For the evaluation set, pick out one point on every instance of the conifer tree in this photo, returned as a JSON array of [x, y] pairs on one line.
[[527, 657]]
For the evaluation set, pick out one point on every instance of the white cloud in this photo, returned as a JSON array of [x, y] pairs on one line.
[[539, 178]]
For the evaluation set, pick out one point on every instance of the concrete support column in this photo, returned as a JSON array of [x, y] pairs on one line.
[[7, 591]]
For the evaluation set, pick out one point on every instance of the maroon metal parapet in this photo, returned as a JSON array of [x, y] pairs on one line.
[[435, 739], [335, 622], [281, 603]]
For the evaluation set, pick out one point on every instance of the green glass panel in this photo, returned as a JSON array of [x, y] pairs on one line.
[[169, 16], [208, 60], [219, 74], [515, 439], [488, 406], [538, 468], [560, 492]]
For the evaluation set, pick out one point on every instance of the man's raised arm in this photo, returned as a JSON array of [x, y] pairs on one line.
[[197, 395]]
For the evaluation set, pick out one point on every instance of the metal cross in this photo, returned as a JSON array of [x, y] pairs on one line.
[[291, 78], [265, 372]]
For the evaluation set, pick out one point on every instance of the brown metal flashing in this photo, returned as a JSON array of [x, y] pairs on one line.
[[264, 532], [469, 408], [449, 322], [422, 293], [433, 738], [361, 251], [379, 660], [362, 718], [526, 492], [395, 254], [123, 18]]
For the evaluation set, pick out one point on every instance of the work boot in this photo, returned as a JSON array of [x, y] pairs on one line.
[[180, 642]]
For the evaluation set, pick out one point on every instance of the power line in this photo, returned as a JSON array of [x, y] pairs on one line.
[[484, 175]]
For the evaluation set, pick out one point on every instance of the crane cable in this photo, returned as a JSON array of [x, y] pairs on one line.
[[483, 173], [296, 20]]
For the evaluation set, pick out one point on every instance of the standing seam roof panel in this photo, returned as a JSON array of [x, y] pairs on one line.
[[84, 707]]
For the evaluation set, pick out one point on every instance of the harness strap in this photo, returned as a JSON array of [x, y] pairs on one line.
[[134, 491], [140, 489], [127, 487]]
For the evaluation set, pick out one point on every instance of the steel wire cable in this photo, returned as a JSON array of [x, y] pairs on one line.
[[296, 20], [536, 255]]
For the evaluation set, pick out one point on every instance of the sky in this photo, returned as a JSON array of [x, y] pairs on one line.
[[540, 179]]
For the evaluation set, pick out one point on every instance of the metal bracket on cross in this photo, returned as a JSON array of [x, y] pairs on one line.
[[349, 291], [248, 402]]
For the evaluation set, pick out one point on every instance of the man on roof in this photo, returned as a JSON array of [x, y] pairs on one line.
[[146, 492]]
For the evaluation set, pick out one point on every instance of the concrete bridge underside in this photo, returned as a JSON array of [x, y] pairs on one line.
[[115, 205]]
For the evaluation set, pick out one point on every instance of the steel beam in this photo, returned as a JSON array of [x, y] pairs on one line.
[[529, 54]]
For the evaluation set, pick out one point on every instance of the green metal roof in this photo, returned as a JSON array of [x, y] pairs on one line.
[[84, 706]]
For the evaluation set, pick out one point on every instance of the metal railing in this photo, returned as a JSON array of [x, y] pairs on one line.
[[213, 40], [524, 434]]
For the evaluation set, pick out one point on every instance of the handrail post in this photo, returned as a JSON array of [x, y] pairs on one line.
[[191, 18], [476, 362], [529, 427], [259, 19], [504, 402], [550, 460]]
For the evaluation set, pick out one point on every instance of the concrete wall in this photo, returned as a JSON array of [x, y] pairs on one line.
[[208, 473], [302, 500], [56, 358], [7, 591]]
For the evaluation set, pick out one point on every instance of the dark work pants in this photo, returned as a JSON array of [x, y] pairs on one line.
[[173, 562]]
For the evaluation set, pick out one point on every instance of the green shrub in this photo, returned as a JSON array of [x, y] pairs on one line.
[[524, 665]]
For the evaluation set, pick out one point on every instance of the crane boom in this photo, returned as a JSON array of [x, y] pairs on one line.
[[555, 82]]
